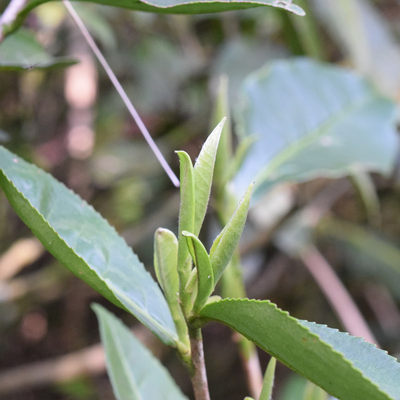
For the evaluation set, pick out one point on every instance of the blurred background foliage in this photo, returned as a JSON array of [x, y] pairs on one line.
[[70, 121]]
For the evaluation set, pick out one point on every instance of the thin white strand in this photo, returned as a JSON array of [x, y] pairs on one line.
[[121, 92]]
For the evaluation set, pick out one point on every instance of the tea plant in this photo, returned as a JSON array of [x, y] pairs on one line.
[[346, 367]]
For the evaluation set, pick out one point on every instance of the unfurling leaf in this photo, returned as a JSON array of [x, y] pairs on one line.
[[205, 275], [186, 214], [203, 176], [225, 243]]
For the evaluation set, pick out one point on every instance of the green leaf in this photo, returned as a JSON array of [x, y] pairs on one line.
[[134, 372], [84, 242], [205, 275], [166, 261], [171, 6], [313, 120], [22, 51], [345, 366], [224, 152], [268, 384], [225, 243], [166, 268], [186, 214], [203, 175], [313, 392]]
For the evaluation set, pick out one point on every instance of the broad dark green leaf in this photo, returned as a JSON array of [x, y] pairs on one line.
[[135, 373], [84, 242], [173, 6], [345, 366], [22, 51], [313, 120]]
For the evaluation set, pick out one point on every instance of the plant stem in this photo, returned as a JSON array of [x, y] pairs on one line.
[[199, 376]]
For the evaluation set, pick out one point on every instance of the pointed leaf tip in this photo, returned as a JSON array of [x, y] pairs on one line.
[[203, 175]]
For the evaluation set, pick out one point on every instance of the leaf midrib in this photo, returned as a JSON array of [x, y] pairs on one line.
[[321, 129], [126, 368]]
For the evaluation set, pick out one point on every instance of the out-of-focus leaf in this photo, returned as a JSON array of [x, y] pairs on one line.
[[313, 392], [161, 69], [367, 40], [294, 385], [98, 25], [135, 373], [22, 51], [224, 152], [365, 252], [84, 242], [308, 33], [114, 161], [240, 57], [345, 366], [173, 6], [313, 120], [4, 137]]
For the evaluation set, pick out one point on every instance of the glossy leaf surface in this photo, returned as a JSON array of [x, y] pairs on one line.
[[84, 242], [313, 120], [345, 366], [174, 6], [22, 51], [135, 373]]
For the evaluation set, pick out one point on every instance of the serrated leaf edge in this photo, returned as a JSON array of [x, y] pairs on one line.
[[105, 281], [286, 313]]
